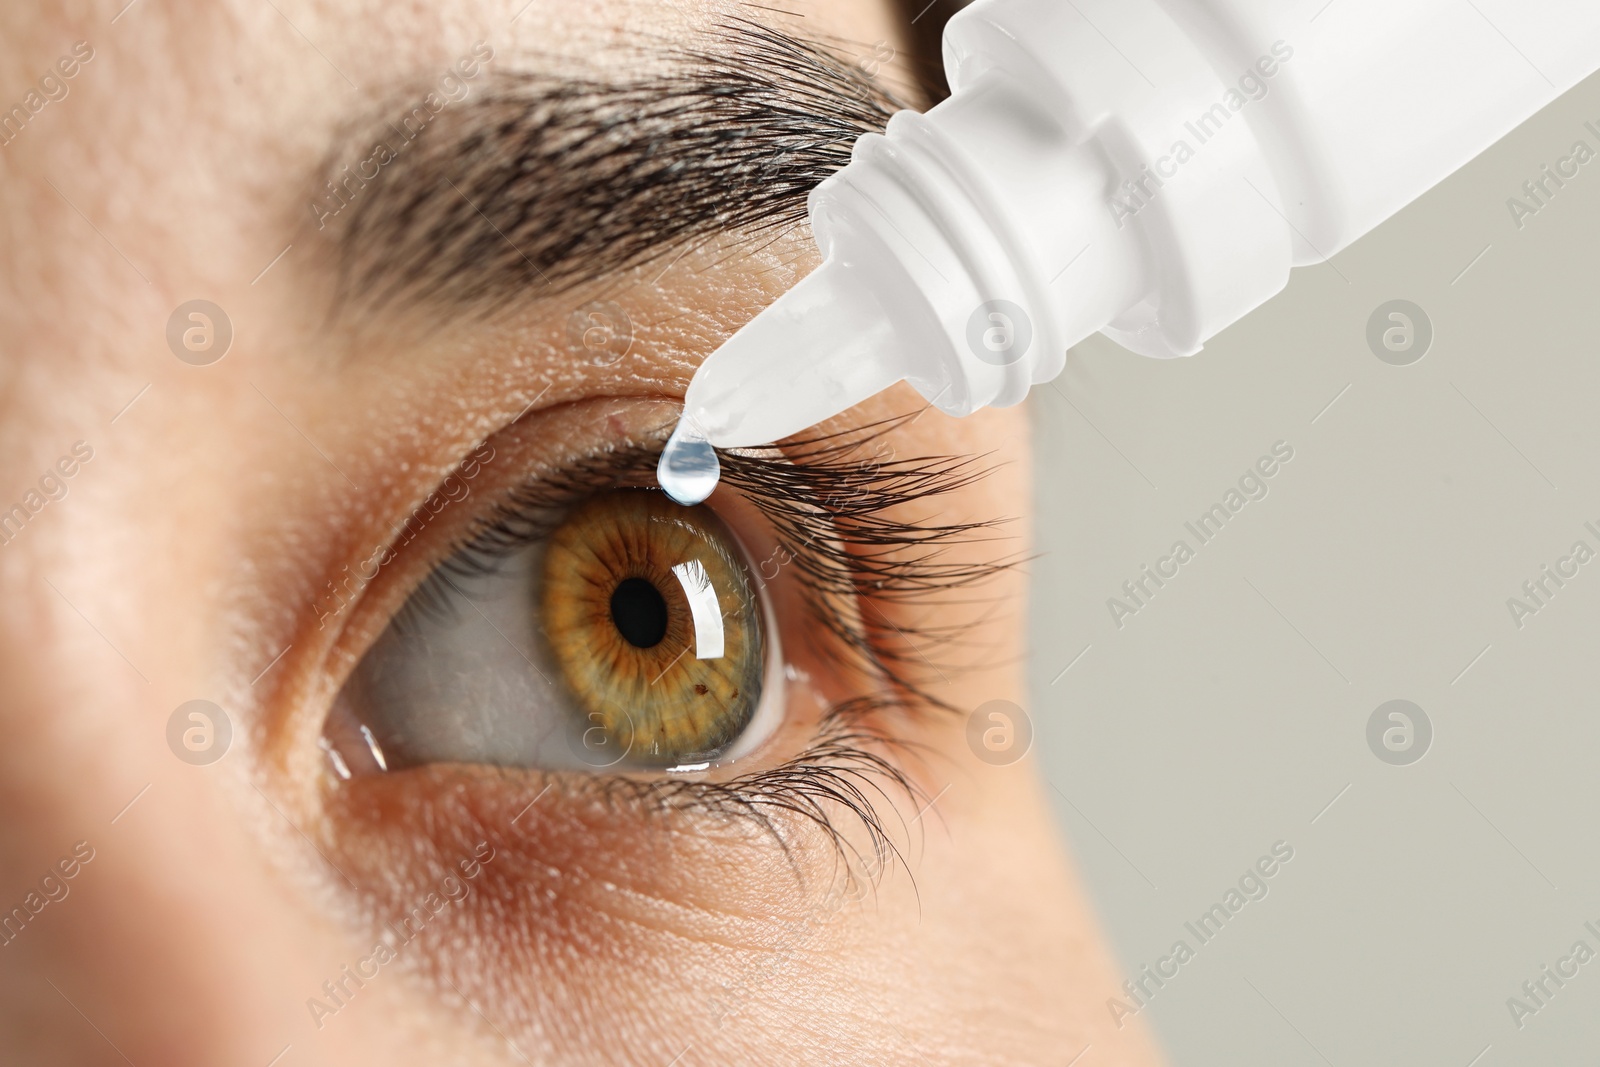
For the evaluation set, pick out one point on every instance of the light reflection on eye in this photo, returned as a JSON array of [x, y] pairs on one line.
[[633, 636], [703, 608]]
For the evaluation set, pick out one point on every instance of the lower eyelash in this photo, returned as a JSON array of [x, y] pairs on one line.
[[829, 500], [842, 770]]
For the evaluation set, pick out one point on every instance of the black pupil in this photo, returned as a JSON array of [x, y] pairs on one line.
[[640, 612]]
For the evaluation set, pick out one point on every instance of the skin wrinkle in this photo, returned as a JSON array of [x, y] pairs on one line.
[[210, 520], [549, 883]]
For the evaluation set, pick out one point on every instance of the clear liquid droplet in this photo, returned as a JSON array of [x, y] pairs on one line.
[[688, 470]]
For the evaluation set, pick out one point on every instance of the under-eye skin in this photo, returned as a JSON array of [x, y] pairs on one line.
[[560, 635]]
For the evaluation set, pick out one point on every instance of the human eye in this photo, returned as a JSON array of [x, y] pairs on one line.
[[565, 624], [618, 630]]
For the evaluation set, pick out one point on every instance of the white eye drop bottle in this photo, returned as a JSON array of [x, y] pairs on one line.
[[1146, 169]]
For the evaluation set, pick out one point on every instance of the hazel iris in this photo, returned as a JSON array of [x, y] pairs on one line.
[[654, 620]]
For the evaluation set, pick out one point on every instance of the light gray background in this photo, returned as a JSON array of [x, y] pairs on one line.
[[1231, 711]]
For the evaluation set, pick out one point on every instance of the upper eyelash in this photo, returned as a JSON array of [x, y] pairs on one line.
[[827, 504], [827, 499], [824, 498]]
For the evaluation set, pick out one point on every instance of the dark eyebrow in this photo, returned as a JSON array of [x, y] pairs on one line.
[[534, 183]]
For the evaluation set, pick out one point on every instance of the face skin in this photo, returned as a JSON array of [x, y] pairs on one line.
[[190, 553]]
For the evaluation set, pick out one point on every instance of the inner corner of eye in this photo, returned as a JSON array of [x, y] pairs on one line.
[[633, 635]]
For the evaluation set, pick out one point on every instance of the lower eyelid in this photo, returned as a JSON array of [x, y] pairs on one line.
[[570, 859], [594, 884], [628, 867]]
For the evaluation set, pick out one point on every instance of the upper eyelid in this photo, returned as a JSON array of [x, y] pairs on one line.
[[420, 554], [533, 509], [373, 570]]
